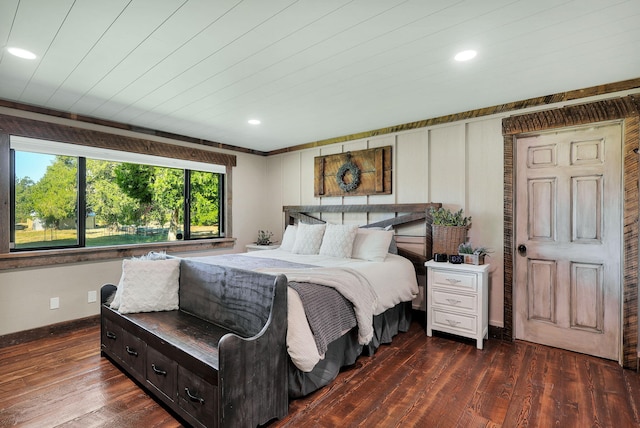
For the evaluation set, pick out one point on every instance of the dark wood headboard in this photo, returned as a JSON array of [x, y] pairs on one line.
[[402, 214]]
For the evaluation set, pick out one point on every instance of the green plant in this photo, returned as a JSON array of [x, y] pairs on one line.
[[264, 237], [445, 217], [468, 249], [465, 249]]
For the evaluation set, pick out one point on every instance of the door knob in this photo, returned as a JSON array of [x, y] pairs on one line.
[[522, 250]]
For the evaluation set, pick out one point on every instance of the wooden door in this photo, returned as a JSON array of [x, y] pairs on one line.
[[568, 274]]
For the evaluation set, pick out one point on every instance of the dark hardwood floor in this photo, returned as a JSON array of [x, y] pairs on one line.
[[415, 381]]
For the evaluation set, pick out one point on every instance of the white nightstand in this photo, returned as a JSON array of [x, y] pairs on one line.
[[458, 299], [256, 247]]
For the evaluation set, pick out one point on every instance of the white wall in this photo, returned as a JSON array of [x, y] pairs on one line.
[[459, 165]]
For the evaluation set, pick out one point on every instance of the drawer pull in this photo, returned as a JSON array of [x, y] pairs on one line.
[[131, 351], [194, 397], [454, 301], [111, 335], [453, 323], [453, 280], [158, 371]]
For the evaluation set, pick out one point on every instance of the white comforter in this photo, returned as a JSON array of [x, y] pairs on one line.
[[393, 281], [348, 282]]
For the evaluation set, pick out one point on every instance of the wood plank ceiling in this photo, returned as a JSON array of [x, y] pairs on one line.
[[309, 70]]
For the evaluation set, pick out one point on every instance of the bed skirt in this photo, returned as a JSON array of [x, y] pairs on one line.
[[345, 350]]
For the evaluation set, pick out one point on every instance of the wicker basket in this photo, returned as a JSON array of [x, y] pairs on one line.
[[447, 239]]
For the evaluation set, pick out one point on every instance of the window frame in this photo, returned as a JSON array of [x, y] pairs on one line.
[[120, 141], [81, 202], [187, 204]]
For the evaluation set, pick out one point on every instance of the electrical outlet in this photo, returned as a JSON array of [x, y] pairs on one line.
[[54, 303], [92, 296]]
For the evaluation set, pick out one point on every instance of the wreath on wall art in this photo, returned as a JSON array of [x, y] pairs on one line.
[[351, 167]]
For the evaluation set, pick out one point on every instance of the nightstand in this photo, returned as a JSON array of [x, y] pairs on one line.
[[256, 247], [458, 299]]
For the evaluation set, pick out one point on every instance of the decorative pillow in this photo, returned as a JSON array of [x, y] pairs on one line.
[[393, 245], [152, 255], [149, 285], [288, 238], [308, 238], [338, 240], [372, 245]]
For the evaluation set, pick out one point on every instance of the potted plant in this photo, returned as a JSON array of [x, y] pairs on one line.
[[449, 230], [264, 237], [473, 256]]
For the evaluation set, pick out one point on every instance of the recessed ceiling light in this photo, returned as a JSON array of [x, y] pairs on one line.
[[465, 55], [254, 122], [21, 53]]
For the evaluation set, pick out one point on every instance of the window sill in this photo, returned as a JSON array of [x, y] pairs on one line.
[[27, 259]]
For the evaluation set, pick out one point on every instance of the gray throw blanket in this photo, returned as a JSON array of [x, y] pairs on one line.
[[328, 312]]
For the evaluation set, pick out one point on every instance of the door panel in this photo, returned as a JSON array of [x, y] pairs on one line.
[[542, 212], [542, 290], [567, 290], [587, 209], [587, 297]]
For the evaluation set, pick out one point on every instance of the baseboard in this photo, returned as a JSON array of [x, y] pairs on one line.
[[48, 330]]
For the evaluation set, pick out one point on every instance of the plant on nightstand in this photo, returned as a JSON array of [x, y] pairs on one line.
[[473, 256], [449, 230], [264, 237], [445, 217]]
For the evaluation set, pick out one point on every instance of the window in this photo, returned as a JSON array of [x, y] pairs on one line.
[[63, 195]]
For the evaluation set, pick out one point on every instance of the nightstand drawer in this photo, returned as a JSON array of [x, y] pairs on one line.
[[453, 300], [455, 279], [450, 321]]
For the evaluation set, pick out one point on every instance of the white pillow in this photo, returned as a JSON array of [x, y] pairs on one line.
[[372, 245], [149, 285], [308, 238], [393, 245], [288, 238], [152, 255], [338, 240]]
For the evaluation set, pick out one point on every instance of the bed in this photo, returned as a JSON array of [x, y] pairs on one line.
[[343, 301]]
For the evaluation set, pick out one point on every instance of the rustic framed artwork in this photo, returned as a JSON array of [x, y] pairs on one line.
[[358, 173]]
